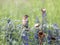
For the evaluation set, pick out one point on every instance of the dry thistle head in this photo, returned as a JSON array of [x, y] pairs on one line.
[[53, 38], [41, 34], [43, 10], [37, 25]]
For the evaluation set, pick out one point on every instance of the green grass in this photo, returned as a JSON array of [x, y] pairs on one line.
[[15, 9]]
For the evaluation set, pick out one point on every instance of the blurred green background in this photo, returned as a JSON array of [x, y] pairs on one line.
[[15, 9]]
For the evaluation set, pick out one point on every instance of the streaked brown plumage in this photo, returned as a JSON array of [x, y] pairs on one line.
[[25, 20]]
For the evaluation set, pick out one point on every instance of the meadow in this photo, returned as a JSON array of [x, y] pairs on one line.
[[16, 9]]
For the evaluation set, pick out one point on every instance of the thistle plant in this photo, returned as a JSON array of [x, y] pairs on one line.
[[22, 34], [56, 32], [36, 31], [9, 32], [25, 37], [44, 20]]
